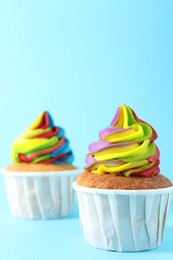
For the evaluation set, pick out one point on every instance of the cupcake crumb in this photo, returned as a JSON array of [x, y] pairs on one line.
[[109, 181], [29, 167]]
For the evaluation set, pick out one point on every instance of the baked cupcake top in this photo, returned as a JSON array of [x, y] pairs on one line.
[[118, 182], [125, 148], [42, 143]]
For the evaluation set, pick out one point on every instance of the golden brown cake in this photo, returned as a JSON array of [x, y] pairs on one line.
[[25, 167], [111, 181]]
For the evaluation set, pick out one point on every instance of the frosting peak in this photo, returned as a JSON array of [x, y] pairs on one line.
[[42, 143], [126, 147]]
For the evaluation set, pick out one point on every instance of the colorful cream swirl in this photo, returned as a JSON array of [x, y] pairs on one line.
[[42, 143], [125, 148]]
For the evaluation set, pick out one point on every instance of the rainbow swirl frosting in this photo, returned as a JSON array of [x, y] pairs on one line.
[[125, 148], [42, 143]]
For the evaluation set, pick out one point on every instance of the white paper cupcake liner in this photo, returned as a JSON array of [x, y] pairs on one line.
[[123, 220], [40, 195]]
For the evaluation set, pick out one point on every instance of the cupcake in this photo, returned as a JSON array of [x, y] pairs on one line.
[[123, 199], [39, 181]]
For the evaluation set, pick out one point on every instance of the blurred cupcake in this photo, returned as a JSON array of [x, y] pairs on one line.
[[39, 181], [123, 200]]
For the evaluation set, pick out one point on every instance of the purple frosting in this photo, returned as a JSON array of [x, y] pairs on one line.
[[90, 159], [107, 131], [102, 145], [115, 118], [95, 146]]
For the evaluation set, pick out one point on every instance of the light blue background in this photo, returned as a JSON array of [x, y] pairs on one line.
[[80, 60]]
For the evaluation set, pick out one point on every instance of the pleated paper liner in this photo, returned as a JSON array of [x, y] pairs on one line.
[[123, 220], [40, 195]]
